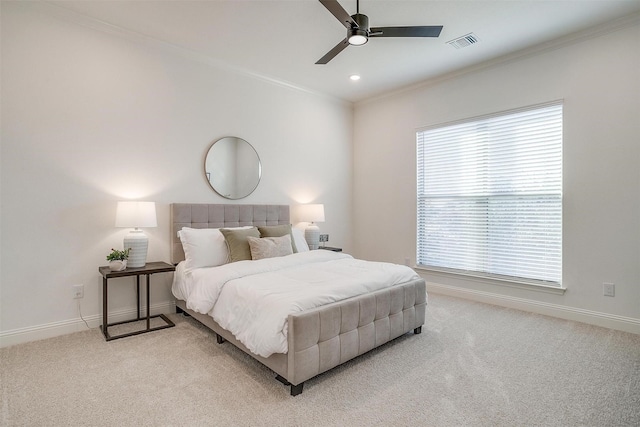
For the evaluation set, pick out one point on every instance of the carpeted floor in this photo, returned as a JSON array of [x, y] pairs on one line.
[[473, 365]]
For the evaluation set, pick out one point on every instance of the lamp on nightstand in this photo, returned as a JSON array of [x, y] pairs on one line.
[[312, 214], [135, 215]]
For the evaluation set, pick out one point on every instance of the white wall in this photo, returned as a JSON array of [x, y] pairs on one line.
[[599, 82], [91, 116]]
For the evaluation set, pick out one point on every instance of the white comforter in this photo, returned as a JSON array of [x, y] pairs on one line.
[[252, 299]]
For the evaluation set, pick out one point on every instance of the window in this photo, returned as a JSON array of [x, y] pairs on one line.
[[490, 196]]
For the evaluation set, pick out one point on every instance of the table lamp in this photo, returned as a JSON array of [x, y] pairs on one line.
[[134, 215], [312, 213]]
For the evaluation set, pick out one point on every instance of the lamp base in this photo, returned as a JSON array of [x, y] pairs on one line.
[[138, 242], [312, 236]]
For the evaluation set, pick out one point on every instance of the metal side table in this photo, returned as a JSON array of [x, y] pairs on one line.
[[149, 269]]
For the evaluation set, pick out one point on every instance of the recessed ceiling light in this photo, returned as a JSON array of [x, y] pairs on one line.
[[354, 77]]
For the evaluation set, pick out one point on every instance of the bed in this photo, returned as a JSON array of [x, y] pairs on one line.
[[317, 339]]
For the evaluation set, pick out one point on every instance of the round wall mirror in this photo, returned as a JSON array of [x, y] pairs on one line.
[[232, 167]]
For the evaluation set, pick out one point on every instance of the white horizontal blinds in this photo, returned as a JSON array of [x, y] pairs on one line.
[[490, 195]]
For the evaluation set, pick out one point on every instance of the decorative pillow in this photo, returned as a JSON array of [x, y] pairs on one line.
[[270, 247], [299, 240], [203, 247], [237, 242], [278, 231]]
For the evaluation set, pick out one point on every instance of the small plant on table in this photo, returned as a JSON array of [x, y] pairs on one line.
[[118, 259]]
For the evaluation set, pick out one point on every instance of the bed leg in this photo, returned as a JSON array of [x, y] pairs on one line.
[[417, 330], [220, 339], [296, 389], [181, 311], [282, 380]]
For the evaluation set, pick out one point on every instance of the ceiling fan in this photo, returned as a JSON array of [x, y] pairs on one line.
[[358, 31]]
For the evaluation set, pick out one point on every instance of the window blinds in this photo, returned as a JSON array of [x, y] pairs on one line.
[[490, 195]]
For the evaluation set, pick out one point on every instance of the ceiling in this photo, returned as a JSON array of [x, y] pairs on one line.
[[281, 40]]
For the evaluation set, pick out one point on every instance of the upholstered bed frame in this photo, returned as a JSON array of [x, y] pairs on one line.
[[318, 339]]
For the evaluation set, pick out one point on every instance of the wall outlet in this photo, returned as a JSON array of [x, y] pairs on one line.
[[78, 291], [324, 237], [608, 289]]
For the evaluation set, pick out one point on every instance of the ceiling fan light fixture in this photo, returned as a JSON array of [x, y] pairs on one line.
[[357, 37]]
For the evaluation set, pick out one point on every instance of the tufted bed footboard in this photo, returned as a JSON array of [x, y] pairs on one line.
[[328, 336], [325, 337]]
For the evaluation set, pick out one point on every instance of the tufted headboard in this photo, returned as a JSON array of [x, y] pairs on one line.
[[220, 216]]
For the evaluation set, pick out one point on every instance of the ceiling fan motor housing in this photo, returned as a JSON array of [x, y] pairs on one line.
[[359, 35]]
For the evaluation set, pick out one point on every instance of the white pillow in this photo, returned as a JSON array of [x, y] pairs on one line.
[[269, 247], [203, 247], [298, 238]]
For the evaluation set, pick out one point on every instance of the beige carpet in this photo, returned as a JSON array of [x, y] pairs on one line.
[[473, 365]]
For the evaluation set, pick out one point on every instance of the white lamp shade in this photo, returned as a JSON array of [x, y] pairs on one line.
[[136, 214], [311, 213]]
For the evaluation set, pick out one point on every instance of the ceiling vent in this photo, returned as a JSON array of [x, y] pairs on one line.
[[464, 41]]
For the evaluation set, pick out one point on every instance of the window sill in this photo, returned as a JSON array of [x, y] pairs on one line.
[[494, 280]]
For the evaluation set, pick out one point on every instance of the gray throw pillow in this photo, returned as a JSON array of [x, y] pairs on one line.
[[237, 243]]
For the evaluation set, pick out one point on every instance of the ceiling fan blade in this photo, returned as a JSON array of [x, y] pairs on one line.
[[333, 52], [338, 11], [425, 31]]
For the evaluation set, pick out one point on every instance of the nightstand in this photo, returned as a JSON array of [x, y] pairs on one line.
[[149, 269], [330, 248]]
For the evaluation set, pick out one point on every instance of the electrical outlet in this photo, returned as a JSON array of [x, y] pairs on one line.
[[407, 261], [78, 291], [324, 237], [608, 289]]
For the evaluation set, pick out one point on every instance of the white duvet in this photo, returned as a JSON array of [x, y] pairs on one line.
[[253, 299]]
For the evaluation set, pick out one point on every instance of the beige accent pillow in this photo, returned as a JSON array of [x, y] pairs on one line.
[[278, 231], [270, 247], [237, 242]]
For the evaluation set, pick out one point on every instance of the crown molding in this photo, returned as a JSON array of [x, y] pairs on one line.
[[615, 25], [63, 13]]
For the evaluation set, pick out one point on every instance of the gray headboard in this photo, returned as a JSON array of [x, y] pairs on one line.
[[221, 216]]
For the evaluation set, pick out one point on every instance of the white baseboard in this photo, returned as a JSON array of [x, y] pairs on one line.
[[50, 330], [611, 321], [621, 323]]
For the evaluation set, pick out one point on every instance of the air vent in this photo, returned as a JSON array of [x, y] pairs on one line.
[[464, 41]]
